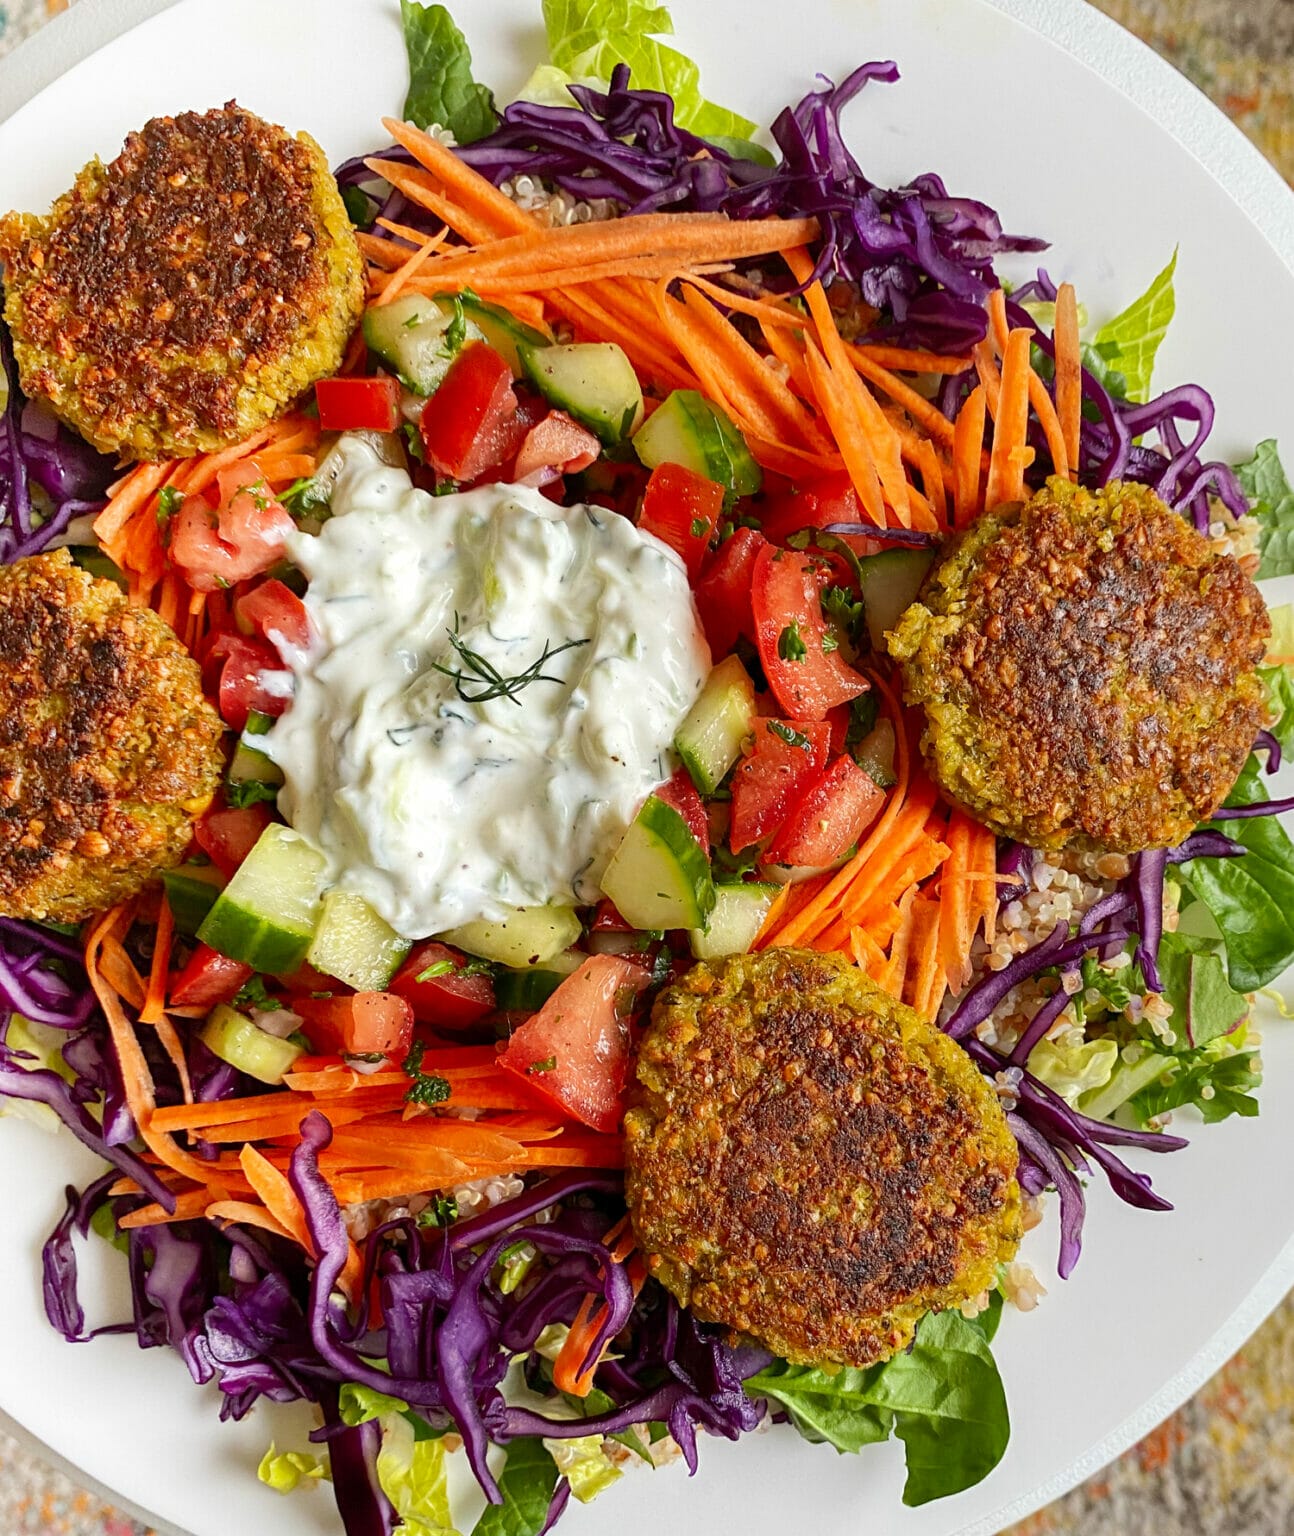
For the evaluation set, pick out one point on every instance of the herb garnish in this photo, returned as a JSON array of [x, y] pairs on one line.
[[791, 737], [790, 643], [548, 1064], [168, 504], [442, 1210], [440, 968], [496, 685], [252, 994], [425, 1087]]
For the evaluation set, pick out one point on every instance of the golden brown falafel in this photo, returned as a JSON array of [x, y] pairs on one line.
[[108, 749], [810, 1162], [1086, 663], [182, 296]]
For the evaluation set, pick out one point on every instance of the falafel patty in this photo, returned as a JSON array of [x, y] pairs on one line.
[[1086, 664], [108, 749], [179, 298], [810, 1162]]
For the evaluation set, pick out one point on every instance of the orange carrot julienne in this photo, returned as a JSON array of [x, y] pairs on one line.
[[1039, 398], [467, 186], [917, 406], [1069, 372], [896, 968], [990, 378], [968, 449], [924, 971], [1011, 453], [908, 360], [846, 429], [246, 1213], [154, 1009]]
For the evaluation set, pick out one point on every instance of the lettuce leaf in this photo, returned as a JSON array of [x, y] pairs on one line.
[[1264, 482], [1073, 1070], [943, 1398], [527, 1481], [1205, 1005], [285, 1471], [1217, 1086], [441, 86], [588, 38], [1251, 898], [1279, 682], [1128, 344], [585, 1465], [412, 1474]]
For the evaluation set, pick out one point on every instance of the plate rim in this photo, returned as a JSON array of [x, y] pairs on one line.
[[1244, 175]]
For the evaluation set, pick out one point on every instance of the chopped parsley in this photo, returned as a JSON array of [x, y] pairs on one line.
[[700, 528], [456, 331], [304, 495], [425, 1088], [790, 643], [439, 968], [843, 608], [548, 1064], [789, 735], [413, 442], [442, 1210], [252, 994], [168, 504], [240, 793]]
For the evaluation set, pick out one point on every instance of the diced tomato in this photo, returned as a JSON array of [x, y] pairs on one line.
[[208, 978], [831, 499], [463, 425], [358, 405], [215, 549], [228, 836], [606, 919], [242, 687], [830, 818], [782, 761], [838, 720], [807, 676], [429, 980], [680, 793], [681, 508], [575, 1050], [723, 593], [554, 447], [273, 612], [358, 1023]]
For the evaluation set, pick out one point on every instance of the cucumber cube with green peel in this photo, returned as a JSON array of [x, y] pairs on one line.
[[266, 915], [659, 876]]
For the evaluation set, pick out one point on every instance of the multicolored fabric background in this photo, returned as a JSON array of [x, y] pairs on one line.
[[1223, 1465]]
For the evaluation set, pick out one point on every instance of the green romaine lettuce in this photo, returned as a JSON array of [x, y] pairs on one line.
[[1073, 1070], [1265, 484], [285, 1471], [1128, 344], [943, 1398], [585, 1465], [441, 86], [588, 38]]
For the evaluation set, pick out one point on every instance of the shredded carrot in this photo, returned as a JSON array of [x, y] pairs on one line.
[[906, 360], [989, 377], [246, 1213], [917, 406], [1011, 453], [968, 452], [1039, 397], [154, 1009], [925, 982], [897, 968], [868, 954], [1069, 372], [956, 895], [572, 1370]]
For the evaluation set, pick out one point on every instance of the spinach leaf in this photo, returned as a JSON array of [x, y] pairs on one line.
[[526, 1483], [827, 1409], [943, 1398], [1264, 482], [1205, 1005], [1127, 345], [441, 87], [1251, 898], [949, 1407], [1279, 682]]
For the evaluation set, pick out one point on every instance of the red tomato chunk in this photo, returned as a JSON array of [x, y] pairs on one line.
[[358, 1024], [681, 508], [464, 425], [228, 836], [806, 674], [353, 405], [208, 978], [273, 612], [723, 593], [430, 981], [216, 549], [575, 1050], [835, 812], [783, 761]]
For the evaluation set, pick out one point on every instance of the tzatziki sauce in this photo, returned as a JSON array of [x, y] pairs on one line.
[[491, 690]]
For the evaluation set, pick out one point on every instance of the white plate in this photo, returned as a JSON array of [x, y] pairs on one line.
[[1065, 134]]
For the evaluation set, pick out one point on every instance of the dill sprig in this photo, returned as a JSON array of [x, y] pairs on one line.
[[496, 685]]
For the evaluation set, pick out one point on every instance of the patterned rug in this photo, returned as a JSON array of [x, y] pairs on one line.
[[1223, 1465]]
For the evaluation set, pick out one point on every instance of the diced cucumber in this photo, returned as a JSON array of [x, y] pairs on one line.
[[504, 332], [525, 991], [419, 338], [529, 937], [354, 944], [688, 430], [739, 913], [191, 891], [235, 1038], [658, 877], [266, 915], [709, 741], [252, 776], [890, 582], [875, 753], [592, 381]]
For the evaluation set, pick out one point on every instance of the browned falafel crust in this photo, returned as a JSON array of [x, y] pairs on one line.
[[107, 747], [180, 297], [810, 1163], [1086, 663]]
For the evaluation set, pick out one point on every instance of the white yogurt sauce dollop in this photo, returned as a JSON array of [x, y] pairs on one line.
[[438, 807]]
